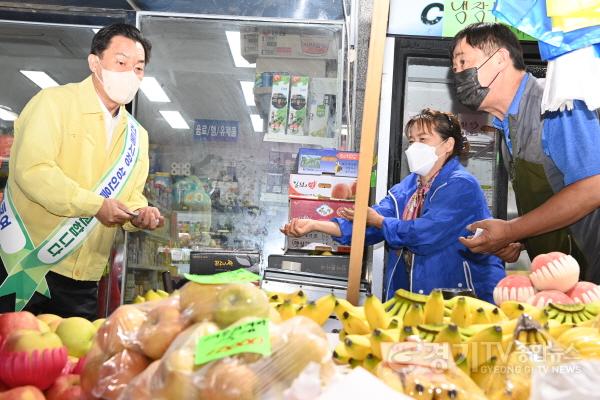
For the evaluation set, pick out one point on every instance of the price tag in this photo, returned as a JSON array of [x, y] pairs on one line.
[[252, 337], [238, 276]]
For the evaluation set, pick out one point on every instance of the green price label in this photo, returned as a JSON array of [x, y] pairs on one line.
[[222, 278], [252, 337], [458, 14]]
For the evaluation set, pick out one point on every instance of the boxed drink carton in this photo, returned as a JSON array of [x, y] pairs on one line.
[[321, 107], [327, 161], [298, 104], [322, 210], [321, 187], [279, 104]]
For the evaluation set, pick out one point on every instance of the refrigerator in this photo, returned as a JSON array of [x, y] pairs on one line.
[[422, 78]]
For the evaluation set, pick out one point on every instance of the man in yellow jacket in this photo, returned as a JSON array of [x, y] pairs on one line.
[[77, 171]]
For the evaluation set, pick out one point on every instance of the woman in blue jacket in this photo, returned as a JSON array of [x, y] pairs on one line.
[[423, 216]]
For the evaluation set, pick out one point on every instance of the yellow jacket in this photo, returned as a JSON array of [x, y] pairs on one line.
[[57, 158]]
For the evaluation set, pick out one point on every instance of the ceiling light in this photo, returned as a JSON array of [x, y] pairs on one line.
[[174, 119], [7, 114], [40, 78], [257, 122], [153, 91], [248, 90], [233, 38]]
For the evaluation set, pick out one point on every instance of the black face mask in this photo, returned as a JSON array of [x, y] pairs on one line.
[[469, 91]]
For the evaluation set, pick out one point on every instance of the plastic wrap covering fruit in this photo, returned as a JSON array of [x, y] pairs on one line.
[[426, 371], [149, 350], [505, 371]]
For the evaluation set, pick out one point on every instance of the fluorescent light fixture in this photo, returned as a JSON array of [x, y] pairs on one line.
[[153, 91], [40, 78], [7, 115], [233, 38], [95, 30], [248, 90], [257, 122], [174, 119]]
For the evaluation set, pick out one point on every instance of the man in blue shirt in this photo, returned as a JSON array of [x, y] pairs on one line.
[[553, 158]]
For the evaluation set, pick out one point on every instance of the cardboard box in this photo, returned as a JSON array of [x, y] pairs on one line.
[[278, 113], [321, 187], [212, 261], [321, 106], [298, 105], [324, 265], [327, 161], [322, 210]]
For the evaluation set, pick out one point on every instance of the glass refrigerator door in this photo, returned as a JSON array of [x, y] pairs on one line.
[[227, 104], [428, 85]]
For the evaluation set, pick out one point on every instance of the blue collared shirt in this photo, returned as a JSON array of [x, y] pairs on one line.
[[502, 124]]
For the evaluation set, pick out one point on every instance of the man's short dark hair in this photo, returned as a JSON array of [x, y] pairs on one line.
[[102, 39], [488, 37]]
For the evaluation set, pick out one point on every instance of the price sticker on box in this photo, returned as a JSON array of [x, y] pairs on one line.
[[252, 337]]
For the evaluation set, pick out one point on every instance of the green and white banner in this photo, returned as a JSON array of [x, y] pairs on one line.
[[26, 264]]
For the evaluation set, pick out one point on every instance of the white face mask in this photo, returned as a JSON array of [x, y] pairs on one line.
[[121, 87], [421, 158]]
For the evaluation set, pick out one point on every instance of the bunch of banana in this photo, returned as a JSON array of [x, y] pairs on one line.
[[319, 310], [297, 297], [586, 340], [287, 309], [151, 295], [402, 301], [572, 313]]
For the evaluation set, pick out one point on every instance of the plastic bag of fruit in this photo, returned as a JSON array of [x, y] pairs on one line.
[[294, 345], [127, 342], [425, 370]]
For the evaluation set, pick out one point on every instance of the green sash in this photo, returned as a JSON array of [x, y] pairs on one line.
[[26, 264]]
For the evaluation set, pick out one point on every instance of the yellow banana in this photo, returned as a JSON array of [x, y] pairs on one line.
[[379, 336], [484, 345], [297, 297], [450, 334], [320, 310], [357, 346], [479, 317], [395, 323], [354, 325], [461, 313], [375, 313], [139, 299], [474, 303], [343, 305], [434, 308], [514, 309], [340, 354], [414, 316], [497, 315], [287, 310]]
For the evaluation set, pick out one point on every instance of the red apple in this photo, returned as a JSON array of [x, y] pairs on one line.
[[16, 320], [66, 387], [23, 393]]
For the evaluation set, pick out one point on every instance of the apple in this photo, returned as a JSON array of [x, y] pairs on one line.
[[197, 301], [77, 334], [176, 372], [162, 325], [28, 340], [23, 393], [341, 191], [66, 387], [228, 379], [116, 373], [120, 330], [241, 300], [51, 320], [16, 320]]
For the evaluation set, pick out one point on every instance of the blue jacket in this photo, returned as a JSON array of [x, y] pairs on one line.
[[440, 260]]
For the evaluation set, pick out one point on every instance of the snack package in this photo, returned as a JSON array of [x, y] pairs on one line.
[[426, 371], [181, 348]]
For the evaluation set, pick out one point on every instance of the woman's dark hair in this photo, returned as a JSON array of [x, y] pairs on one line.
[[102, 39], [445, 124], [488, 37]]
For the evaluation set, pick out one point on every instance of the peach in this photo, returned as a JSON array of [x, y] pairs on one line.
[[541, 299], [513, 287], [554, 271], [584, 292]]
